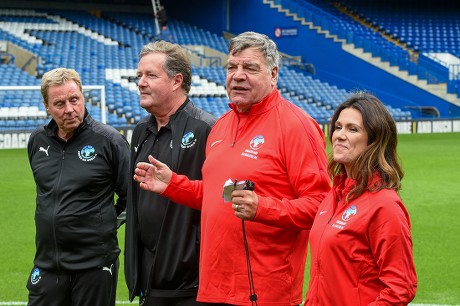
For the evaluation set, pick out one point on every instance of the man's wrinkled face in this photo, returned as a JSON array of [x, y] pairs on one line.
[[66, 105], [249, 78]]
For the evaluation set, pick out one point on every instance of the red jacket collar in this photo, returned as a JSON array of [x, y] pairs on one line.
[[342, 184]]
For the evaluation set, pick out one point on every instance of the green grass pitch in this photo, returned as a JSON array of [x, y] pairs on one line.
[[431, 192]]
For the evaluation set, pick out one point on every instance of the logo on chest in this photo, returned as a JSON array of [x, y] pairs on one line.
[[188, 140], [346, 216], [254, 145], [87, 154], [42, 149]]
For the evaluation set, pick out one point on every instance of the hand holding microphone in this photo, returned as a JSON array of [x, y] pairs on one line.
[[244, 200]]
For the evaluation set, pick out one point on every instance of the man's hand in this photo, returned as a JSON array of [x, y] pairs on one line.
[[245, 203], [153, 176]]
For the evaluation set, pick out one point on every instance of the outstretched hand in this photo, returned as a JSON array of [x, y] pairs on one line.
[[153, 176]]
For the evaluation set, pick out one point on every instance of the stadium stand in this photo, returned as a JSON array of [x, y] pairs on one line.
[[429, 32], [341, 21], [105, 52], [104, 48]]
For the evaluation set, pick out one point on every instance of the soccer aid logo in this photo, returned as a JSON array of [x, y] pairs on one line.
[[35, 276], [88, 153], [188, 140], [257, 142], [349, 212]]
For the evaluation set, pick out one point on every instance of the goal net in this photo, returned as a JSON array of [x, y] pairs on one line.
[[25, 103], [22, 110]]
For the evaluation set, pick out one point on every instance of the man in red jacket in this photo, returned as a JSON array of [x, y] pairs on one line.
[[265, 139]]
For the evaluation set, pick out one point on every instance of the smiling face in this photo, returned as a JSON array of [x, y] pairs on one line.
[[349, 138], [66, 105], [249, 78]]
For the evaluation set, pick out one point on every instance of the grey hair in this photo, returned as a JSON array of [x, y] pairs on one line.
[[259, 41], [177, 60], [58, 76]]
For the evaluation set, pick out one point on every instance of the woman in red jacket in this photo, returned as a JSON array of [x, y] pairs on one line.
[[361, 245]]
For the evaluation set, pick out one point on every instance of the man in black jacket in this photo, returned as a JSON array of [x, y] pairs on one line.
[[163, 239], [78, 165]]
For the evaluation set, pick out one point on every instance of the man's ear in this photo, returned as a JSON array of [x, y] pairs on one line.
[[274, 74], [178, 80]]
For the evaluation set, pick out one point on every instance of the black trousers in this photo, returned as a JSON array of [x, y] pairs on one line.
[[76, 288]]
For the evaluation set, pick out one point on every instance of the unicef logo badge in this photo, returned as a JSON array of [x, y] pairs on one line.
[[188, 140], [257, 142], [35, 277], [88, 153], [349, 212]]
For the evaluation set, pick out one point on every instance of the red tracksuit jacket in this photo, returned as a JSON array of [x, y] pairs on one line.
[[282, 150], [361, 251]]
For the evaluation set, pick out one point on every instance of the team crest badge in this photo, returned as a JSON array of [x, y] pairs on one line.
[[349, 212], [87, 153], [188, 140], [257, 142]]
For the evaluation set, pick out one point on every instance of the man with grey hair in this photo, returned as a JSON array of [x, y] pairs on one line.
[[78, 165], [254, 236], [163, 238]]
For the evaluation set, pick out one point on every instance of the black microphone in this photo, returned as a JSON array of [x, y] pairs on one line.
[[249, 185]]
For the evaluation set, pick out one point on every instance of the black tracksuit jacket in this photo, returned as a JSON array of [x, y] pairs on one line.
[[175, 269], [75, 214]]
